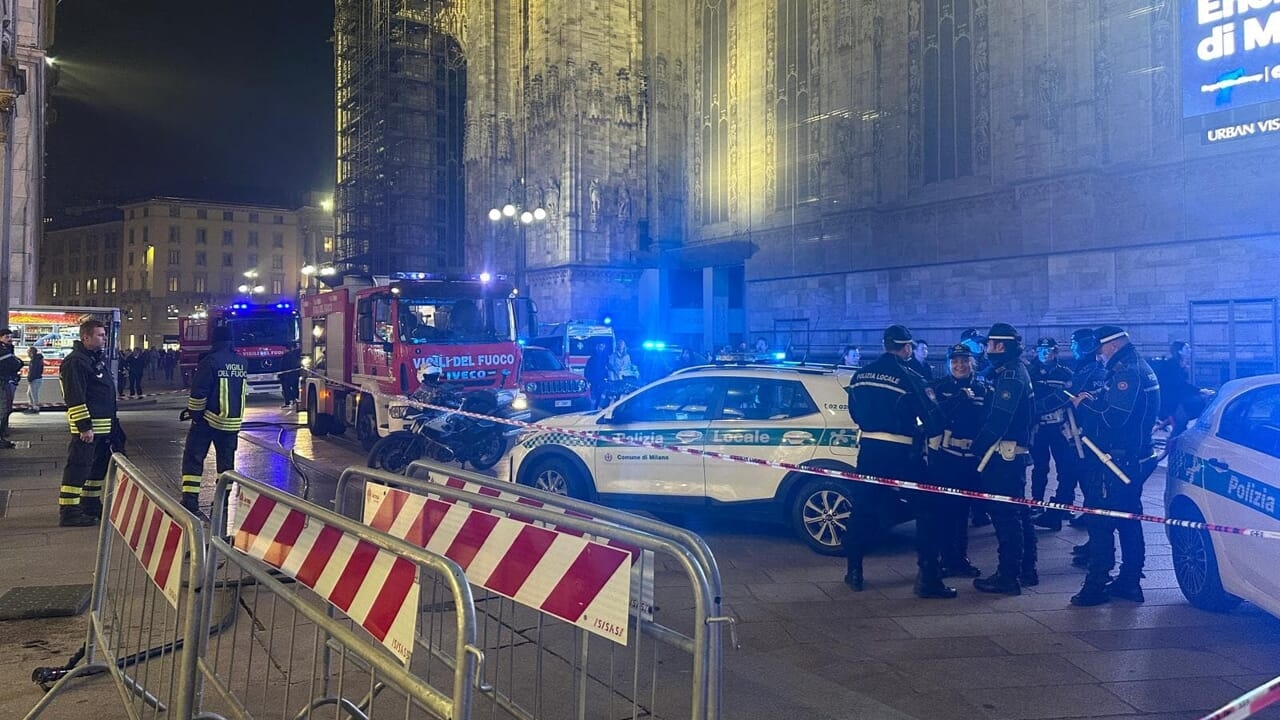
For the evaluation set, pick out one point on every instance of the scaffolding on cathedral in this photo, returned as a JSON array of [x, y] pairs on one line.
[[400, 100]]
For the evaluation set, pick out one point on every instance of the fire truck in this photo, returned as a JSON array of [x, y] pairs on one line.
[[369, 339], [261, 332], [574, 342]]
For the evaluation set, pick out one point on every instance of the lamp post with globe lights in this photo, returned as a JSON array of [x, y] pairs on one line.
[[522, 218]]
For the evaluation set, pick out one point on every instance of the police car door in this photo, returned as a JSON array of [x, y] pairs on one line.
[[665, 416], [765, 418], [1241, 467]]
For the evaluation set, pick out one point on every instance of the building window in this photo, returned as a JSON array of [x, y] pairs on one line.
[[202, 236], [201, 259], [253, 217], [228, 216], [146, 236], [794, 141], [173, 283], [131, 230], [277, 262], [112, 262], [54, 289], [277, 240], [133, 214], [128, 283], [146, 212], [201, 284], [91, 263], [278, 219], [175, 257], [253, 238], [328, 243], [175, 211], [202, 214], [228, 285], [228, 237], [277, 285], [75, 288], [130, 258], [228, 260], [91, 286], [175, 234], [111, 285], [950, 105], [73, 265], [253, 260]]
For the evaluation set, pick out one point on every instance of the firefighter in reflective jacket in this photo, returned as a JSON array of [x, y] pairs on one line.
[[896, 417], [216, 407], [90, 395]]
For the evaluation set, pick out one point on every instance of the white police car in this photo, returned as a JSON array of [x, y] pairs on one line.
[[795, 415], [1226, 470]]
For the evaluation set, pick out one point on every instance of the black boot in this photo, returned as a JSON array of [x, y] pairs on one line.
[[73, 516], [1049, 520], [999, 583], [960, 568], [91, 507], [1029, 578], [1125, 588], [191, 503], [929, 585], [1091, 593], [1078, 521], [853, 577]]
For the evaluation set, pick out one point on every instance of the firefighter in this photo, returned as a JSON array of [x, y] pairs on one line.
[[91, 409], [961, 395], [216, 408], [896, 416]]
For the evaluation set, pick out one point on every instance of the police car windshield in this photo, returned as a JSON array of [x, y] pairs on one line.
[[248, 332], [540, 360], [455, 320]]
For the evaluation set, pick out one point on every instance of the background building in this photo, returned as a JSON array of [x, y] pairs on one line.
[[173, 256], [810, 172], [26, 30]]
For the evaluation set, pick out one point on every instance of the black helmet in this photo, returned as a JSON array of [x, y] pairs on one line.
[[1085, 340]]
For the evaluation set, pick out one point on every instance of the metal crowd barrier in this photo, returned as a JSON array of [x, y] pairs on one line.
[[146, 607], [603, 657], [331, 616]]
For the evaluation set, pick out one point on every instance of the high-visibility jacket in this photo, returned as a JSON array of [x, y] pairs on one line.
[[88, 389], [219, 388]]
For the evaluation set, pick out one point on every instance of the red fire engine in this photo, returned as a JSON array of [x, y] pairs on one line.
[[261, 332], [377, 335]]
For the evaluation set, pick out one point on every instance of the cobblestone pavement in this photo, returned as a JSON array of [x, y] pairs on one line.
[[809, 647]]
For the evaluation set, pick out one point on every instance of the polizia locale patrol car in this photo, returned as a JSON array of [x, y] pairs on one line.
[[791, 414]]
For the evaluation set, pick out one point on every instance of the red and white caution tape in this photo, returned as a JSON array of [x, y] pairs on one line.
[[1248, 704], [843, 475], [156, 540]]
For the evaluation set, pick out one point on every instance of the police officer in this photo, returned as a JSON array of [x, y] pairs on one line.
[[1048, 379], [216, 407], [896, 416], [961, 396], [1118, 422], [91, 409], [1087, 375], [1002, 449], [10, 373]]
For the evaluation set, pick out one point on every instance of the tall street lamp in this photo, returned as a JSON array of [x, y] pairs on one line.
[[523, 218]]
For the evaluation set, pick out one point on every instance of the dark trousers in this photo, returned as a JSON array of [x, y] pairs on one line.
[[199, 438], [1107, 492], [289, 387], [1049, 441], [961, 473], [135, 383], [1015, 535], [7, 391], [873, 503], [83, 475]]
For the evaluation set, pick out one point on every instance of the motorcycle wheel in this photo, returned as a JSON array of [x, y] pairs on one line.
[[490, 448], [394, 452]]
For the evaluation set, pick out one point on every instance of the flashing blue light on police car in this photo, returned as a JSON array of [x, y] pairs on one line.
[[779, 356], [606, 320], [522, 342], [654, 345]]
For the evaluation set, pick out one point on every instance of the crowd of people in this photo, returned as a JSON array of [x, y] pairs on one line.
[[138, 364]]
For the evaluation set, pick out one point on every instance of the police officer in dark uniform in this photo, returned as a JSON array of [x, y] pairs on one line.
[[91, 409], [1003, 449], [1118, 422], [1089, 376], [216, 407], [896, 417], [1048, 379], [962, 397]]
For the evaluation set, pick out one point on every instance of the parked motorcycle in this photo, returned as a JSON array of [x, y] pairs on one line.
[[447, 436]]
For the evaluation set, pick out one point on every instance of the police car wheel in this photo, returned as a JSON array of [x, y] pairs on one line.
[[557, 477], [820, 515], [1196, 566]]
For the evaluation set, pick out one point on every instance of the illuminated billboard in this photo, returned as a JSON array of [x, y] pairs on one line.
[[1230, 54]]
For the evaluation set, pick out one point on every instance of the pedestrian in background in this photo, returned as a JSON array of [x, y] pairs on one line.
[[10, 372], [920, 361], [290, 375], [137, 365], [35, 378], [91, 411], [596, 373], [851, 356]]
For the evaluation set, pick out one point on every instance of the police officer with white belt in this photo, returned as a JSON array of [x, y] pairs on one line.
[[1002, 449], [962, 397], [897, 417], [1048, 378]]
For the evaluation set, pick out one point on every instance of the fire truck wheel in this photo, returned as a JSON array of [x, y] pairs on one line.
[[366, 424], [318, 424]]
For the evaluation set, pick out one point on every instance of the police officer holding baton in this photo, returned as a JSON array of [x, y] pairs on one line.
[[897, 417]]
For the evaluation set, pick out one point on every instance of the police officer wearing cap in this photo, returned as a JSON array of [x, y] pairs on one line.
[[1002, 447], [216, 407], [1118, 420], [1087, 375], [961, 396], [897, 418], [1048, 379]]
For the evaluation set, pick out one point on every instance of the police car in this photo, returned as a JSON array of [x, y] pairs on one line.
[[794, 415], [1226, 470]]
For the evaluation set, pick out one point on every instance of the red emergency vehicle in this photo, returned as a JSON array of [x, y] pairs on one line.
[[574, 342], [261, 332], [377, 335]]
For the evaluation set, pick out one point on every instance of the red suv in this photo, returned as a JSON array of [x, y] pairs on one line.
[[551, 387]]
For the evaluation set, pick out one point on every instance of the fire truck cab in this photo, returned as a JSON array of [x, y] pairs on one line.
[[575, 341], [261, 332], [369, 340]]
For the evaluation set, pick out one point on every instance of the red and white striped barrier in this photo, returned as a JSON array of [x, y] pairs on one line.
[[374, 587], [1248, 704], [642, 561], [580, 581], [152, 535]]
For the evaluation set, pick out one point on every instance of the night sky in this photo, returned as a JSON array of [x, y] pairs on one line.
[[227, 100]]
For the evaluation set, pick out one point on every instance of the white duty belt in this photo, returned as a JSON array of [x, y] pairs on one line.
[[886, 437], [1054, 417], [956, 446], [1007, 449]]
